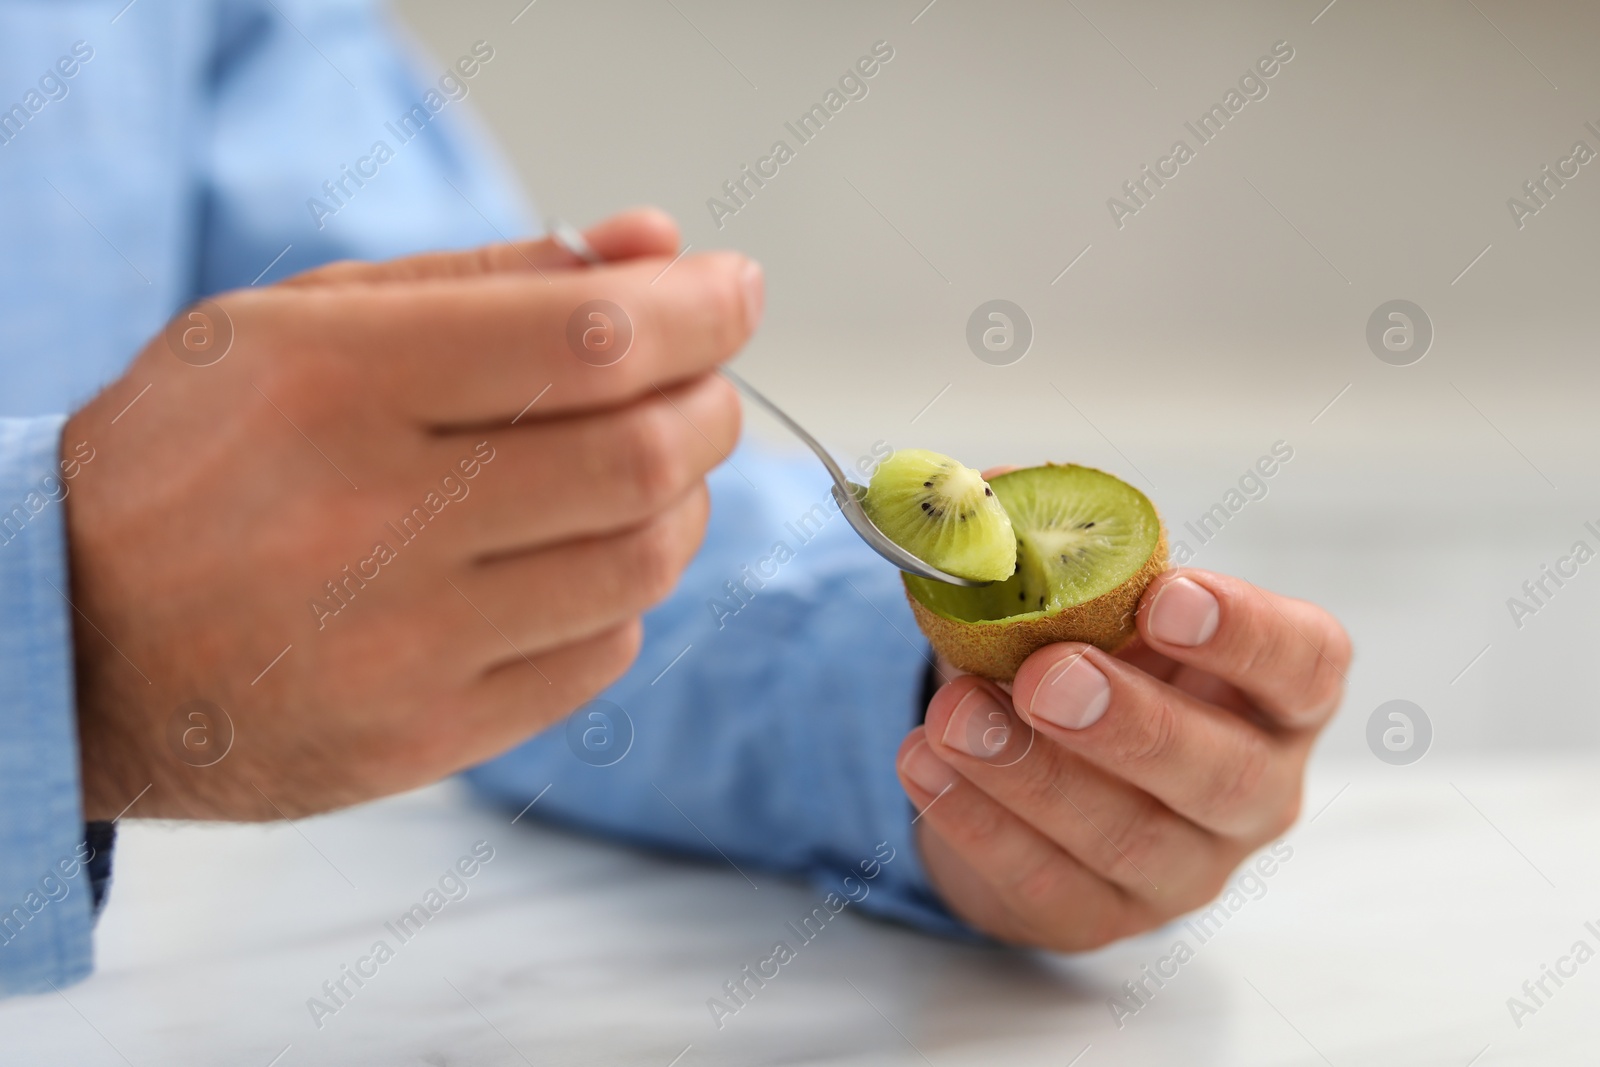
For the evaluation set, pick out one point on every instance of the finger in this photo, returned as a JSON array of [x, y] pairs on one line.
[[634, 234], [544, 599], [1205, 763], [590, 474], [1119, 832], [995, 472], [966, 890], [480, 350], [1048, 897], [1288, 656], [524, 695], [627, 235]]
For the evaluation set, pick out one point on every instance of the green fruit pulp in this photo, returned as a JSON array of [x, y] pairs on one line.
[[1080, 533], [942, 513]]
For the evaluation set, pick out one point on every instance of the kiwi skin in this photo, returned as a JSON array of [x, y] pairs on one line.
[[995, 648]]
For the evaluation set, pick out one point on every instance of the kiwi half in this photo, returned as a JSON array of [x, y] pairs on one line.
[[943, 513], [1087, 545]]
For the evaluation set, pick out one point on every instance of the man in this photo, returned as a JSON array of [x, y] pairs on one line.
[[365, 524]]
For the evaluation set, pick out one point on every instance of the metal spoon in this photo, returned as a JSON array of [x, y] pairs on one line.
[[846, 494]]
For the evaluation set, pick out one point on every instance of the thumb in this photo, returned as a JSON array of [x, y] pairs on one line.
[[632, 234]]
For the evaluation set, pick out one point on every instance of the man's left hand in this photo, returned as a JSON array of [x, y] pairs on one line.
[[1106, 794]]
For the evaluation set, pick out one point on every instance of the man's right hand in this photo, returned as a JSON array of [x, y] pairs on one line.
[[480, 572]]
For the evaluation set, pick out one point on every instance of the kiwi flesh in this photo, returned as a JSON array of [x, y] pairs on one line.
[[1087, 545], [943, 513]]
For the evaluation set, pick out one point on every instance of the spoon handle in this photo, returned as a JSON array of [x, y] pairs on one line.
[[846, 493], [795, 428]]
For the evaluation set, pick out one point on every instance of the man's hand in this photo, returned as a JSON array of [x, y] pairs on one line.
[[400, 526], [1107, 794]]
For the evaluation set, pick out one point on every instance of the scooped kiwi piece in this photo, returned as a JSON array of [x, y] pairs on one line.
[[1087, 546], [944, 514]]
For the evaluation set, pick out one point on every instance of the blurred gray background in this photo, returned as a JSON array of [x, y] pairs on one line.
[[1228, 314]]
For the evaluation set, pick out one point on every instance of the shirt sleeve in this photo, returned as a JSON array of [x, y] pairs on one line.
[[297, 96], [760, 725], [46, 900], [331, 136]]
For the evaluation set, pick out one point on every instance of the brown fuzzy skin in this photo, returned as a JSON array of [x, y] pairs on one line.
[[996, 649]]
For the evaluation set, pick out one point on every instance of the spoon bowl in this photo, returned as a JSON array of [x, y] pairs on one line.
[[847, 494]]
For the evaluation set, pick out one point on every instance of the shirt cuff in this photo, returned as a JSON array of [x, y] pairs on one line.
[[46, 905], [101, 837]]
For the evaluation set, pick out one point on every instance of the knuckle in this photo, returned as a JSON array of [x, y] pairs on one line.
[[1303, 664], [1039, 886], [1276, 653], [1252, 630], [1250, 651], [335, 271], [1031, 781], [1334, 653], [1151, 742], [1236, 789], [348, 265], [629, 641], [653, 563], [1102, 927], [615, 651], [1312, 672], [1209, 886], [725, 306], [1037, 895], [312, 384], [1338, 647], [1284, 816], [978, 824], [1135, 837], [650, 456], [485, 259], [691, 530], [1324, 688], [728, 411], [289, 380], [970, 825]]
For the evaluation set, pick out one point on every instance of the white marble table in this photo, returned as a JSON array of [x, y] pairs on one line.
[[1416, 901]]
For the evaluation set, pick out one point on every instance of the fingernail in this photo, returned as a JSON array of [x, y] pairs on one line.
[[932, 774], [979, 725], [1073, 695], [755, 294], [1185, 613]]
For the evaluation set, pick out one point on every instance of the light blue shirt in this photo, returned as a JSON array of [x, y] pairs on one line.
[[156, 151]]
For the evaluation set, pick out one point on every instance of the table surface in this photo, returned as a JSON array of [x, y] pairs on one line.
[[1415, 902]]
